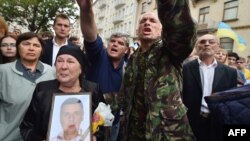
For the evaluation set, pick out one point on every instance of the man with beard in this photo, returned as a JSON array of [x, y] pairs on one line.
[[202, 77]]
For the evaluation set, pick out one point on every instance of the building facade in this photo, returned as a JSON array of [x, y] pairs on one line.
[[209, 13], [122, 16], [115, 16]]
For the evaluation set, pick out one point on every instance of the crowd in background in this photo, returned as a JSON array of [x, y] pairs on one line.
[[144, 86]]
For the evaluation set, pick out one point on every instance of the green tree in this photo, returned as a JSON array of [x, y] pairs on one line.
[[36, 15]]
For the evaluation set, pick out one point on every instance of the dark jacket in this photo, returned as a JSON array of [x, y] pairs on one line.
[[35, 123], [224, 78], [48, 51], [231, 107]]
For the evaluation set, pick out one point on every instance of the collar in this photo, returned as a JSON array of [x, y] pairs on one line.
[[157, 43], [214, 64], [20, 67], [55, 43]]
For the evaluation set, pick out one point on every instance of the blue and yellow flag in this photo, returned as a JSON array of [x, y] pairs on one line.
[[242, 44], [224, 30]]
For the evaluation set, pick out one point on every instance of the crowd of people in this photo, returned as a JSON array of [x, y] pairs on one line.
[[156, 92]]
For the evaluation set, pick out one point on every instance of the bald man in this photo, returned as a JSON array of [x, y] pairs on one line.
[[202, 77]]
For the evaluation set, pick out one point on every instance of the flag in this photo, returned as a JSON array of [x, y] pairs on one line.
[[242, 44], [224, 30]]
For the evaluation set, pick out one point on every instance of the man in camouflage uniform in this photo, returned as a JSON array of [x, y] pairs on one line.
[[150, 95]]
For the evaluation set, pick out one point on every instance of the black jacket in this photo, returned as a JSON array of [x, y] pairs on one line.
[[47, 54], [231, 107], [224, 78], [35, 123]]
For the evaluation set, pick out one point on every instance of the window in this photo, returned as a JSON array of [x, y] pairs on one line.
[[203, 15], [144, 7], [230, 10], [125, 27], [227, 44], [127, 10], [129, 25]]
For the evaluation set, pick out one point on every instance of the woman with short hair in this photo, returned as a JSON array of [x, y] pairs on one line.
[[18, 81]]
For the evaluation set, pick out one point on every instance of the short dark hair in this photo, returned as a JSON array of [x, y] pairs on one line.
[[71, 101], [27, 36], [47, 34], [62, 16], [233, 54], [119, 34]]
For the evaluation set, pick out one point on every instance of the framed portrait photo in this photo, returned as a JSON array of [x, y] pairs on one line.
[[70, 117]]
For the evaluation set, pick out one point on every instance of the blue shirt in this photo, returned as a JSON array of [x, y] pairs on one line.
[[102, 70]]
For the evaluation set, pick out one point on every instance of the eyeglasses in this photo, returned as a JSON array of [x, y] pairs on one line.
[[211, 42], [8, 45], [240, 62]]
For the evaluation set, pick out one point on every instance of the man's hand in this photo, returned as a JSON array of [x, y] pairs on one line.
[[85, 4], [88, 25]]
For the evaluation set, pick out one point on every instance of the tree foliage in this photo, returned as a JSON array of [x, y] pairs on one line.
[[36, 15]]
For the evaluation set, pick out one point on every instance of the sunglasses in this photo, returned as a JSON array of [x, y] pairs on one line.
[[240, 62]]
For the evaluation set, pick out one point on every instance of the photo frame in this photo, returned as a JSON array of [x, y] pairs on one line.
[[70, 115]]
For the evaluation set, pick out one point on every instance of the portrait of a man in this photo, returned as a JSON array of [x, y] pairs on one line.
[[71, 116]]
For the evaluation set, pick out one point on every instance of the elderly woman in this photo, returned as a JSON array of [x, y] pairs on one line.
[[7, 49], [70, 64], [18, 81]]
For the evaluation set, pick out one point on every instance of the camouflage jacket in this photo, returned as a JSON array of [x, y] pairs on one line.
[[166, 118]]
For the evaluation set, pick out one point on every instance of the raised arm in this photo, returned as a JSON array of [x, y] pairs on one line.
[[178, 28], [88, 25]]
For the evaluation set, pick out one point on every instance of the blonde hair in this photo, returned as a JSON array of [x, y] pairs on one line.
[[224, 51]]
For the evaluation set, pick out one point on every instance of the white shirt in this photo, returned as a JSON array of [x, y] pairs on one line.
[[56, 48], [59, 137], [207, 78]]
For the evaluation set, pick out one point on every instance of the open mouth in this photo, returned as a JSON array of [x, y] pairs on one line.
[[114, 50], [147, 29]]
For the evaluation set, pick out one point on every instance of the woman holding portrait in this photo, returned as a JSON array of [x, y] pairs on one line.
[[70, 65]]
